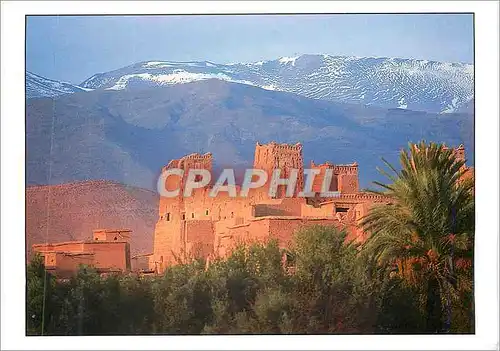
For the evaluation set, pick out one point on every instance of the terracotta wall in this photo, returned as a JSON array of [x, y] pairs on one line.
[[319, 178], [321, 211], [168, 240], [229, 237], [71, 263], [200, 237], [265, 228], [112, 255], [348, 183], [102, 255], [284, 229]]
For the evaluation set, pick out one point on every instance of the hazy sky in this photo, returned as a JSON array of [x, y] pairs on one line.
[[72, 48]]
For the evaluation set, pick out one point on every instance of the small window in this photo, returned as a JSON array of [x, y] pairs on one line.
[[168, 216], [115, 238], [342, 209], [192, 215], [206, 213], [232, 214], [183, 216], [96, 239]]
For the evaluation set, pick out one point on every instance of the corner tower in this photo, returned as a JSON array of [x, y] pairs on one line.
[[169, 239]]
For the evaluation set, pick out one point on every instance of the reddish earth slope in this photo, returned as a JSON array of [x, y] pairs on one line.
[[71, 211]]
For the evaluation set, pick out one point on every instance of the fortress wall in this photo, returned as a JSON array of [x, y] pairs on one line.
[[284, 229], [220, 207], [112, 255], [62, 262], [228, 237], [348, 183], [102, 255], [168, 240], [200, 238], [319, 178]]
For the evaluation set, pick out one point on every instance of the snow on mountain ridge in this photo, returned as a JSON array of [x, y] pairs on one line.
[[38, 86], [285, 60], [414, 84], [178, 76], [422, 84]]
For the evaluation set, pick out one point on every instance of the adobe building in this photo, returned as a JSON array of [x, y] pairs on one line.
[[200, 226], [108, 251]]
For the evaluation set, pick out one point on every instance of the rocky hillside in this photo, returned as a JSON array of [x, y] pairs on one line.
[[71, 211]]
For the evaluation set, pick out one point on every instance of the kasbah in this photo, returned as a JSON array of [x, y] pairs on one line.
[[207, 227]]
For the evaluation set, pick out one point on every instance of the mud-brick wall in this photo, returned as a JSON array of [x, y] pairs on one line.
[[284, 229], [110, 255], [200, 236], [168, 242]]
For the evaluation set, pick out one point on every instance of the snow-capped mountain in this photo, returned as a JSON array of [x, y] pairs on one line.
[[38, 86], [387, 82]]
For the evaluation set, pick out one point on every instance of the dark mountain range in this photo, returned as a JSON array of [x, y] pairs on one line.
[[128, 135]]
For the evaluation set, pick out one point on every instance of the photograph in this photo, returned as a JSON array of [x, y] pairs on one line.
[[249, 174], [126, 235]]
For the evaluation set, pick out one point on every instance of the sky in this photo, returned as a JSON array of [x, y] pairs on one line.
[[73, 48]]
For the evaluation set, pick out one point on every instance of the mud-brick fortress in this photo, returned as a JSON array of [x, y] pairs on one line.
[[202, 226], [206, 227]]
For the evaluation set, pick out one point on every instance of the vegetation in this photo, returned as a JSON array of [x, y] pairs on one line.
[[426, 236], [413, 275]]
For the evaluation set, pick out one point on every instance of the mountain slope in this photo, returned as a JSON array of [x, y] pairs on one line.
[[128, 135], [38, 86], [71, 211], [387, 82]]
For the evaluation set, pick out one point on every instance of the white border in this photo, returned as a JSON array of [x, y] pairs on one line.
[[12, 172]]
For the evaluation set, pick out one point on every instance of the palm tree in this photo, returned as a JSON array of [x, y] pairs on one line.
[[425, 236]]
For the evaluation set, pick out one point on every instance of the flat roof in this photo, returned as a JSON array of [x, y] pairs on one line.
[[112, 230], [80, 242]]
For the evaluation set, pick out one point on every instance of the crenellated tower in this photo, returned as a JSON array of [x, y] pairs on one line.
[[345, 177], [285, 157]]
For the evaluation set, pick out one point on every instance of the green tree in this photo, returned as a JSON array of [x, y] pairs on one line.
[[182, 299], [39, 287], [426, 234], [240, 285], [330, 289]]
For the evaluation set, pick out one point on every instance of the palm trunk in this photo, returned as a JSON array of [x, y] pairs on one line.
[[433, 307], [447, 326]]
